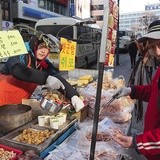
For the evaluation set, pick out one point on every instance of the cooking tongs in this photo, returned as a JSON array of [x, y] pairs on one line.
[[110, 101]]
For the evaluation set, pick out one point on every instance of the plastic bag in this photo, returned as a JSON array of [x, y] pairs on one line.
[[77, 146], [120, 110], [118, 82]]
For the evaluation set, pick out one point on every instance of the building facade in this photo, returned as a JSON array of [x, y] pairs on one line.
[[139, 21], [80, 8], [97, 9], [29, 11]]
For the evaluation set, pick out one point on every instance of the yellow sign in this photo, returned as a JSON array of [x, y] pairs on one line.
[[11, 44], [111, 60], [67, 55]]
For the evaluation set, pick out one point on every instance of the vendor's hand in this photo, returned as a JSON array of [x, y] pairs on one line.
[[123, 140], [123, 91], [54, 83], [77, 103]]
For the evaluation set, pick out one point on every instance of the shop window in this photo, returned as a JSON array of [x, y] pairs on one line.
[[98, 18], [25, 1], [62, 10], [56, 8], [5, 10], [97, 7], [50, 6], [41, 4]]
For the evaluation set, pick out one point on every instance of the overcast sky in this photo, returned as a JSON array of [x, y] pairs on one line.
[[134, 5]]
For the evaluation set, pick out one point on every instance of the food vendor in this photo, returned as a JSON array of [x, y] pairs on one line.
[[21, 74]]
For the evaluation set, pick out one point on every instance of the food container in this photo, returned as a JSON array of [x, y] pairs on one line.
[[50, 106], [54, 123], [64, 117], [10, 139], [15, 151], [41, 120], [14, 115]]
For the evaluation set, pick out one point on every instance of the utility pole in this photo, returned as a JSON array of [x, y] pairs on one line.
[[10, 6], [117, 48], [0, 15]]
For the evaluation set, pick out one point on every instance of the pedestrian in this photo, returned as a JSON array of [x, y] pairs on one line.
[[147, 143], [21, 74], [132, 50]]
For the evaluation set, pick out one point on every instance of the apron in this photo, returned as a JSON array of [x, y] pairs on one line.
[[12, 90]]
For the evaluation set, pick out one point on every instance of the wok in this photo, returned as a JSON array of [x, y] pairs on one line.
[[14, 115]]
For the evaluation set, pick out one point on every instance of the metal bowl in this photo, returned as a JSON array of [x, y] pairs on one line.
[[15, 115], [50, 106]]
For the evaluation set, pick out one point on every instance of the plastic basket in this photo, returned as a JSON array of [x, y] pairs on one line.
[[6, 148]]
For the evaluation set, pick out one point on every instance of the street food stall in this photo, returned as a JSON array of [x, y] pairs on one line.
[[48, 127], [48, 134]]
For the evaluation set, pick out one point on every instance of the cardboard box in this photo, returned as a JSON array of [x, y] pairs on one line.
[[82, 114]]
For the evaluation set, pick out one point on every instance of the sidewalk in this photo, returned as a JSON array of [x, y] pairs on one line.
[[125, 69]]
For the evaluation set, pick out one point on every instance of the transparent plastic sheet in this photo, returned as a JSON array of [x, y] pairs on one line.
[[62, 152], [122, 106], [105, 144], [119, 116], [90, 95], [77, 146], [118, 82], [66, 152]]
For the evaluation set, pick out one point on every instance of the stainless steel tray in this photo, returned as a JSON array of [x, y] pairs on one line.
[[11, 138]]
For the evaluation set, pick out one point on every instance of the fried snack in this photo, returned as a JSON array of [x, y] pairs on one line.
[[100, 136], [35, 137]]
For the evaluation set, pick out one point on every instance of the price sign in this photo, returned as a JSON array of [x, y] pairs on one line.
[[67, 55], [11, 44]]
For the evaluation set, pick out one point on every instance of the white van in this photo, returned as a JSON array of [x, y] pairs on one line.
[[86, 35]]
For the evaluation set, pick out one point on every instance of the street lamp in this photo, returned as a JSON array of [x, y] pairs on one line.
[[117, 50]]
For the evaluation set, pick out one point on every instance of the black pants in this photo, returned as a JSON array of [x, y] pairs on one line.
[[133, 60]]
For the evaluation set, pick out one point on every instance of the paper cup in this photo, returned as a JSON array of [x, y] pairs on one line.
[[41, 120], [64, 116], [54, 123]]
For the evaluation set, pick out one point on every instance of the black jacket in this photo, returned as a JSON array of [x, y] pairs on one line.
[[132, 48]]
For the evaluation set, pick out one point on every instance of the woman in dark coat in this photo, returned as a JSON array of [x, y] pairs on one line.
[[21, 75], [132, 50]]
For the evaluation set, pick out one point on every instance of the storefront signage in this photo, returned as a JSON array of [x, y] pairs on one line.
[[64, 2], [6, 25], [67, 55], [112, 31], [11, 44], [72, 10], [36, 14]]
